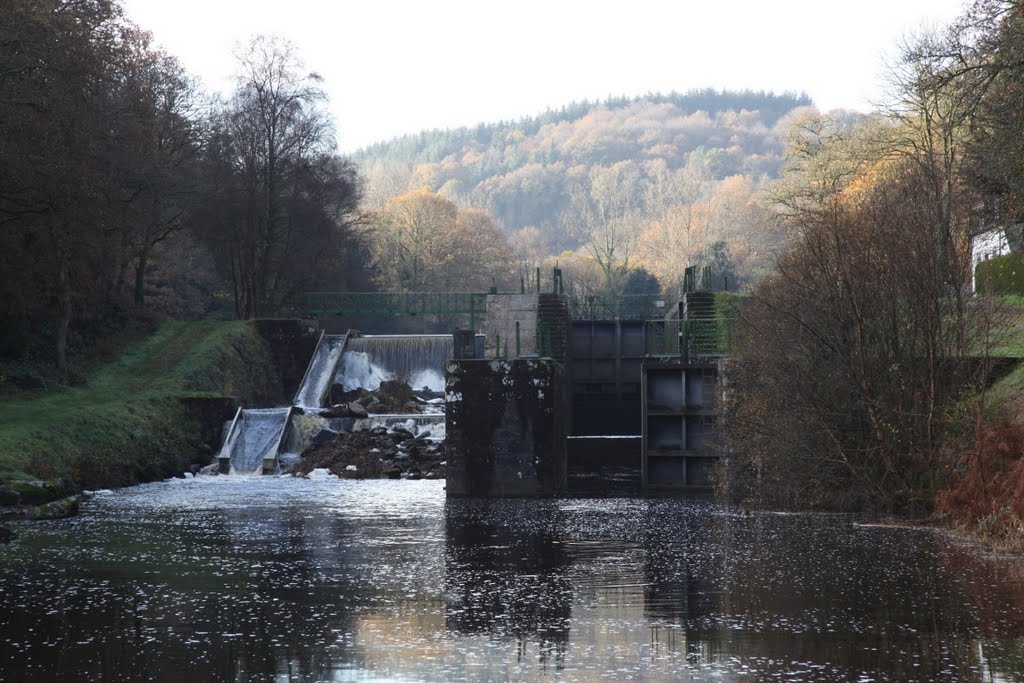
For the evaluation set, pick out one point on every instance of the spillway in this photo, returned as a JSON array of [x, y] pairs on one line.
[[253, 440], [417, 359], [315, 385]]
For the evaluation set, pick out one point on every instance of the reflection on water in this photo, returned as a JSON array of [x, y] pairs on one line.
[[277, 579]]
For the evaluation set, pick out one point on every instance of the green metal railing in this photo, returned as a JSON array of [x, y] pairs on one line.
[[626, 307], [444, 304], [688, 339]]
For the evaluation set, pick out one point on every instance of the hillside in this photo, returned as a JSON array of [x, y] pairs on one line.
[[687, 161]]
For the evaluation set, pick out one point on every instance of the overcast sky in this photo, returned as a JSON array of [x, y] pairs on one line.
[[394, 67]]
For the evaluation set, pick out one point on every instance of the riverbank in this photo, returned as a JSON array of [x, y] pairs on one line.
[[129, 423], [983, 499]]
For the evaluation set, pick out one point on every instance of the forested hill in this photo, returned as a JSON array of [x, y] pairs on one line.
[[523, 171]]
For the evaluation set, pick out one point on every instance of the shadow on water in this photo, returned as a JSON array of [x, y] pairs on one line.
[[277, 579]]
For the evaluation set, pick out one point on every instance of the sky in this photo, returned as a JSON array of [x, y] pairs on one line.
[[393, 67]]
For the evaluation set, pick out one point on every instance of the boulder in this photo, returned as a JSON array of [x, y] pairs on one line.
[[6, 535], [59, 509], [339, 410], [8, 497], [357, 410], [38, 492], [400, 434]]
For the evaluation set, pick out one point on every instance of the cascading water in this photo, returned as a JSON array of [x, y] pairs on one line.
[[428, 425], [306, 430], [417, 359], [255, 436], [320, 372]]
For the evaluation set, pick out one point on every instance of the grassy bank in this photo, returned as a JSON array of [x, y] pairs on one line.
[[985, 494], [127, 423]]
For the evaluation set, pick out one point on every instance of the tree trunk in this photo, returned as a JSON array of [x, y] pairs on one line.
[[64, 318], [140, 278]]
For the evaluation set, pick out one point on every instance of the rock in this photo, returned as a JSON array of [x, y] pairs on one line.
[[400, 434], [8, 497], [6, 535], [210, 469], [339, 410], [375, 406], [324, 436], [393, 472], [412, 407], [59, 509], [357, 410], [351, 468], [195, 468], [39, 492]]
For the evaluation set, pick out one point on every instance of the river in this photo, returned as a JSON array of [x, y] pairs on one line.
[[282, 579]]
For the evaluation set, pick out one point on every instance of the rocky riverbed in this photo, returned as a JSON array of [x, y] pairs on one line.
[[401, 451], [374, 453]]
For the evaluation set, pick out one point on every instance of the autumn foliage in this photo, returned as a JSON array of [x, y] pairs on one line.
[[987, 490]]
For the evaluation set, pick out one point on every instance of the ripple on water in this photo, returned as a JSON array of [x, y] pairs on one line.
[[276, 578]]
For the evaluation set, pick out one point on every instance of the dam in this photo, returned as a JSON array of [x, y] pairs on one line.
[[533, 394]]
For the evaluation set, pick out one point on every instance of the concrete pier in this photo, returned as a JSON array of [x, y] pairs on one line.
[[506, 427]]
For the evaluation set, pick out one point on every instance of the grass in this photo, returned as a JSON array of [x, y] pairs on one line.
[[126, 424]]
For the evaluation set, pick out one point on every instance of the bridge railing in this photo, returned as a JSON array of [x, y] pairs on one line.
[[442, 304]]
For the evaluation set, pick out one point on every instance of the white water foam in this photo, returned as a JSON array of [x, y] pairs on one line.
[[320, 372]]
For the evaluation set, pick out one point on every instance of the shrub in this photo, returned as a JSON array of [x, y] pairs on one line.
[[1001, 275]]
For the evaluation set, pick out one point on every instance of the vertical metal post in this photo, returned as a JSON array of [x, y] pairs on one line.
[[497, 346], [522, 286], [517, 339], [684, 341], [538, 280]]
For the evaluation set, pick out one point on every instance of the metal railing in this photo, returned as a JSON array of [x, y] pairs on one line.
[[688, 339], [444, 304], [626, 307]]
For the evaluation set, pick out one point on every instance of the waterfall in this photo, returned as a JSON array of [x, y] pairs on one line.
[[306, 430], [429, 425], [254, 437], [320, 372], [417, 359]]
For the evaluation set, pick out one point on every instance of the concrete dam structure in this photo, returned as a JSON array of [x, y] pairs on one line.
[[551, 397], [617, 403]]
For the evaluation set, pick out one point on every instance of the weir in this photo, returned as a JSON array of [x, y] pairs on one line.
[[429, 425], [253, 440], [417, 359], [553, 405], [316, 383]]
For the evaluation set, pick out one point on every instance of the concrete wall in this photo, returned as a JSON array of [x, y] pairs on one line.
[[503, 310], [505, 427]]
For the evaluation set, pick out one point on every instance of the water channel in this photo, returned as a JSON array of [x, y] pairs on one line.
[[282, 579]]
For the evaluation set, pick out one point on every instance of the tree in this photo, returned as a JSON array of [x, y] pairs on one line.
[[641, 282], [861, 327], [421, 241], [282, 203], [58, 187]]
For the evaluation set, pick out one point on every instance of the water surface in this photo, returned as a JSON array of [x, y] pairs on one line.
[[279, 579]]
